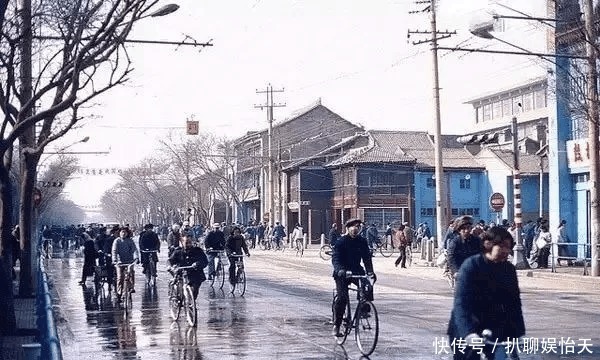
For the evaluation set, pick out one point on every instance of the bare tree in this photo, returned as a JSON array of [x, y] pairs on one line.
[[52, 181], [80, 47]]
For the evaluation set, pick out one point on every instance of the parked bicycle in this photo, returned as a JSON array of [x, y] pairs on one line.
[[238, 286], [384, 246], [181, 295], [219, 275], [151, 266], [325, 252], [365, 321], [125, 295]]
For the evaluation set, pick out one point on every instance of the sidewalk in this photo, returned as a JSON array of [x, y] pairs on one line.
[[26, 331]]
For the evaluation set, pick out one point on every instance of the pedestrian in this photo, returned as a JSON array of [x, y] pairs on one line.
[[408, 233], [401, 243], [278, 234], [487, 297], [334, 234], [173, 239], [541, 247], [89, 257], [372, 236]]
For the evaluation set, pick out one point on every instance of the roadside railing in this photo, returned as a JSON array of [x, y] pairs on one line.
[[557, 256], [45, 318]]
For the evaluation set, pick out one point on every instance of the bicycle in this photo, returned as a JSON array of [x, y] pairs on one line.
[[239, 284], [219, 276], [385, 247], [101, 273], [365, 321], [151, 266], [325, 252], [181, 295], [125, 295], [299, 247]]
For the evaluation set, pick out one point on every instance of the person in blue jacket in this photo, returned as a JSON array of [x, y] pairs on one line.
[[487, 297], [350, 250]]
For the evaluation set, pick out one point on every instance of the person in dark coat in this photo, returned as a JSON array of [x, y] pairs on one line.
[[89, 257], [487, 297], [188, 255], [213, 243], [463, 244], [350, 250], [148, 241], [334, 235], [235, 245]]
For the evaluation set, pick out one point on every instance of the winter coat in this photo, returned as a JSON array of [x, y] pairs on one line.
[[459, 250], [348, 255], [215, 240], [89, 256], [235, 245], [182, 257]]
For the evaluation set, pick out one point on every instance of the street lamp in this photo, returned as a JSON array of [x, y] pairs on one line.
[[165, 10]]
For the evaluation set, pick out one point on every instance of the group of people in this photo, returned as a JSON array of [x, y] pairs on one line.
[[487, 294]]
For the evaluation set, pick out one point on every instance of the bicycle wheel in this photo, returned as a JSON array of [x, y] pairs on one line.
[[212, 278], [149, 272], [366, 329], [191, 314], [240, 286], [325, 252], [346, 325], [386, 249], [174, 301], [50, 250], [126, 295], [219, 277]]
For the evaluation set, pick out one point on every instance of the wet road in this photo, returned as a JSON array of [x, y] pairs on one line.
[[285, 314]]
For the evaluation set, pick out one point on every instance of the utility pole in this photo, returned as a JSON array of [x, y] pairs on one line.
[[270, 104], [440, 203], [592, 93], [519, 260]]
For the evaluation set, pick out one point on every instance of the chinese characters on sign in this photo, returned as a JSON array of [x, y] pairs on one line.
[[578, 153]]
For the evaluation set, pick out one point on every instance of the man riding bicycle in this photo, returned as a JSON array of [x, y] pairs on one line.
[[214, 242], [124, 251], [149, 241], [350, 249], [190, 255]]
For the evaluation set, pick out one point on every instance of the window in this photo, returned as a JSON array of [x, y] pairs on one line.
[[506, 107], [465, 183], [539, 99], [487, 112], [430, 182], [528, 101], [497, 110], [515, 104], [479, 114], [465, 211], [428, 212]]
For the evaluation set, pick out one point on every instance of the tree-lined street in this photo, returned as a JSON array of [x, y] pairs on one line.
[[286, 310]]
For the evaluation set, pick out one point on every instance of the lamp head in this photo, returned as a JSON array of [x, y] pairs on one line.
[[165, 10]]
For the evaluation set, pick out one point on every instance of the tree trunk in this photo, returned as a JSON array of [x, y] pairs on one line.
[[26, 224], [7, 315]]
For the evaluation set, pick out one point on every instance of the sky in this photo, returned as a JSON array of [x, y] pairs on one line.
[[353, 55]]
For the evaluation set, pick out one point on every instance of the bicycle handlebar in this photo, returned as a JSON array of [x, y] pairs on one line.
[[128, 266], [149, 251]]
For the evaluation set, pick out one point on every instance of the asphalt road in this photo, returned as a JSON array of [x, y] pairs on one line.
[[286, 311]]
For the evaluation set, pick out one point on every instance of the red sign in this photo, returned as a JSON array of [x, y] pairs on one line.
[[497, 201]]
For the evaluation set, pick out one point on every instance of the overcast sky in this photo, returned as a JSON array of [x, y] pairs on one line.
[[354, 55]]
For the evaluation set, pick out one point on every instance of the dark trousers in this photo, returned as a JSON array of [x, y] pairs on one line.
[[402, 258], [341, 289]]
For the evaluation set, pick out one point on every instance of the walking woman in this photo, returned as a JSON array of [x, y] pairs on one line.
[[400, 241]]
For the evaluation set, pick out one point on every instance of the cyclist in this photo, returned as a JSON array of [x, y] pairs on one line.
[[188, 255], [124, 251], [149, 241], [487, 297], [174, 238], [278, 234], [214, 242], [350, 249], [297, 234], [234, 246], [372, 236], [462, 244]]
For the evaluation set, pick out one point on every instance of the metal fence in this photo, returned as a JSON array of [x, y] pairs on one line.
[[45, 318], [558, 258]]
